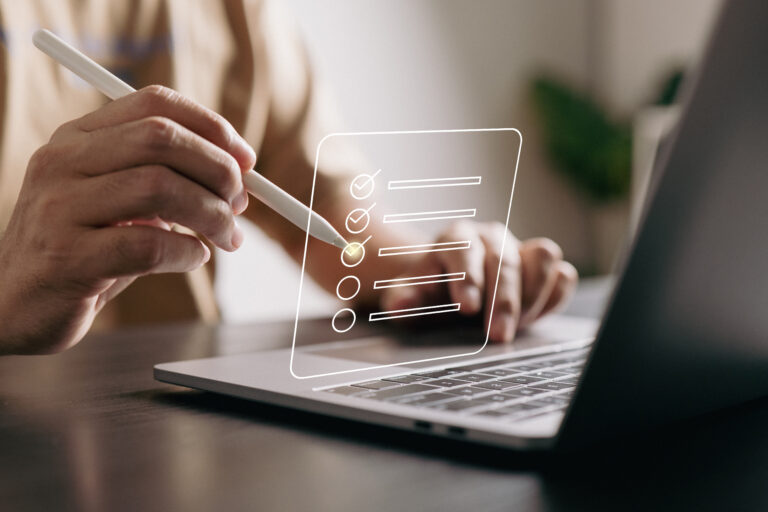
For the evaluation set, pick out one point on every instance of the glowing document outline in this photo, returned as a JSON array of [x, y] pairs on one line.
[[306, 244]]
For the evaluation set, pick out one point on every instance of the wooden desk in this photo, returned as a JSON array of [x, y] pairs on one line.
[[91, 430]]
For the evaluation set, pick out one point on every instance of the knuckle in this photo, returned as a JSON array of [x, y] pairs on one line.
[[569, 272], [228, 178], [220, 129], [145, 252], [221, 214], [454, 231], [492, 253], [511, 259], [63, 130], [505, 303], [546, 249], [158, 132], [472, 279], [495, 229], [153, 97], [154, 185], [40, 161], [460, 226], [51, 204], [509, 275]]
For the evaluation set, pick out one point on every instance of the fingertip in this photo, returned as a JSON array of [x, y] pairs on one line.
[[237, 236], [250, 162], [246, 156], [240, 203], [502, 329], [569, 271], [206, 254], [470, 298]]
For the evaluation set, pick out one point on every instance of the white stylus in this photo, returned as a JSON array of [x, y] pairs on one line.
[[256, 184]]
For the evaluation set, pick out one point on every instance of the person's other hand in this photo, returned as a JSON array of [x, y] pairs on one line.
[[95, 206], [533, 279]]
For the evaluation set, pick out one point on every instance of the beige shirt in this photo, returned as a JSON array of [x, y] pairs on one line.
[[241, 58]]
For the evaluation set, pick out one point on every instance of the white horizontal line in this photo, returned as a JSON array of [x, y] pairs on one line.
[[403, 313], [438, 215], [434, 182], [421, 248], [417, 280]]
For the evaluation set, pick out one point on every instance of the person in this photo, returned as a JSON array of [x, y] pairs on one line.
[[91, 216]]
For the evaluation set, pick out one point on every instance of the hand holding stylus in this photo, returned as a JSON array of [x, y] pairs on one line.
[[94, 208], [267, 192]]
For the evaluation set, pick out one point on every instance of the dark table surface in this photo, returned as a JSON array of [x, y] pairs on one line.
[[91, 430]]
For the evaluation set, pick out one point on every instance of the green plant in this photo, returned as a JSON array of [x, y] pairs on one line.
[[593, 151]]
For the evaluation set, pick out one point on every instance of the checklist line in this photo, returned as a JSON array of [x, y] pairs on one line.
[[424, 248], [438, 215], [434, 182], [422, 311], [419, 280]]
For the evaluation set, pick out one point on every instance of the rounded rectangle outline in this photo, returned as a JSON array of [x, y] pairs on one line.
[[306, 244]]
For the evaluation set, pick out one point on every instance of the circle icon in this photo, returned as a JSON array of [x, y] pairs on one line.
[[353, 254], [340, 313], [352, 295], [363, 185], [358, 220]]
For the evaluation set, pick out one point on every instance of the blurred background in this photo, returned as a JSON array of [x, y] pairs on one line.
[[590, 84]]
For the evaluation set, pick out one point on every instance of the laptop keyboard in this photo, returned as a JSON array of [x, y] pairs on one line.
[[508, 389]]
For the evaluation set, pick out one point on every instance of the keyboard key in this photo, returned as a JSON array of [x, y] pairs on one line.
[[501, 397], [551, 386], [549, 374], [409, 389], [467, 391], [570, 370], [473, 377], [524, 392], [522, 367], [478, 366], [541, 364], [446, 383], [497, 385], [428, 398], [376, 384], [491, 413], [554, 400], [501, 372], [459, 405], [523, 379], [436, 375], [406, 379], [539, 403], [344, 390], [518, 408]]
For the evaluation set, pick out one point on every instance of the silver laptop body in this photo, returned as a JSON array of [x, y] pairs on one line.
[[685, 332]]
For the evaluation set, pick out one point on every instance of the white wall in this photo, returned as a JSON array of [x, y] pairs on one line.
[[642, 40]]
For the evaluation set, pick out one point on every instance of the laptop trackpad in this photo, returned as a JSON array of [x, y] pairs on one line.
[[388, 350]]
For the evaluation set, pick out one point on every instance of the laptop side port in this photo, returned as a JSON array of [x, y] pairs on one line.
[[457, 431], [422, 425]]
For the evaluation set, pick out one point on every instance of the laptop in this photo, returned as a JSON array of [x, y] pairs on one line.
[[685, 331]]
